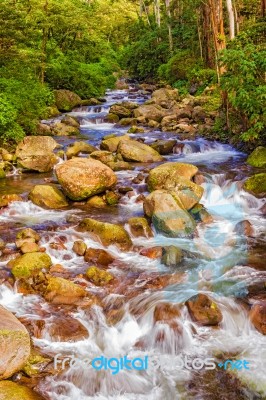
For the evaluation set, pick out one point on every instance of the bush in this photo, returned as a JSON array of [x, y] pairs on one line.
[[9, 128], [176, 69]]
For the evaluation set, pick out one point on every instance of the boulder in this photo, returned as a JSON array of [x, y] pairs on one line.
[[203, 310], [48, 196], [166, 312], [29, 248], [14, 345], [112, 118], [6, 199], [165, 97], [164, 147], [150, 112], [71, 121], [28, 264], [119, 165], [172, 256], [112, 198], [132, 150], [67, 329], [127, 121], [152, 252], [136, 129], [108, 234], [63, 291], [112, 143], [81, 178], [98, 276], [258, 157], [27, 233], [61, 129], [13, 391], [98, 256], [79, 247], [103, 155], [79, 147], [258, 317], [256, 184], [199, 114], [36, 153], [97, 202], [121, 111], [168, 214], [140, 227], [65, 100], [43, 129]]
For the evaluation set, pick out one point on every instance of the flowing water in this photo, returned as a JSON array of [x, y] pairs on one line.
[[219, 262]]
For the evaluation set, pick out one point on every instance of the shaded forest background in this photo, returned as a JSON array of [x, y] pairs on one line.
[[196, 46]]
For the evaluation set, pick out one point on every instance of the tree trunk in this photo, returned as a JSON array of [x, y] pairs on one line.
[[216, 7], [157, 12], [263, 8], [45, 32], [231, 17], [170, 35]]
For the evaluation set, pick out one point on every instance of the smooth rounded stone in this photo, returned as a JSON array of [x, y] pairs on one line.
[[48, 196], [172, 256], [29, 248], [79, 247], [112, 143], [13, 391], [120, 166], [63, 291], [28, 233], [125, 189], [166, 312], [256, 184], [79, 147], [152, 252], [165, 97], [112, 118], [98, 276], [128, 121], [6, 199], [65, 100], [257, 316], [43, 129], [108, 234], [164, 147], [120, 110], [136, 129], [36, 153], [168, 214], [258, 157], [67, 329], [139, 227], [28, 264], [132, 150], [14, 344], [203, 310], [244, 228], [61, 129], [97, 202], [81, 178], [71, 121], [103, 155], [98, 256], [167, 176], [112, 198], [151, 112]]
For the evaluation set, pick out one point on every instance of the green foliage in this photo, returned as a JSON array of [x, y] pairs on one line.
[[244, 82], [177, 67], [9, 128]]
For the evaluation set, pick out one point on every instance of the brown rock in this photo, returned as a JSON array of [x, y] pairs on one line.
[[140, 227], [67, 329], [79, 247], [203, 310], [258, 317], [62, 291], [153, 252], [98, 256], [6, 199], [29, 248]]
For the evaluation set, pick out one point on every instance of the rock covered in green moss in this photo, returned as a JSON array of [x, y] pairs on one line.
[[98, 276], [6, 199], [140, 227], [28, 264], [167, 176], [74, 149], [63, 291], [13, 391], [256, 184], [108, 234], [258, 157], [14, 345], [48, 196], [65, 100], [111, 144], [81, 178], [2, 173]]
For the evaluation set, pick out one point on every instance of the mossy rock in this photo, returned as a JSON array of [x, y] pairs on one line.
[[139, 227], [112, 143], [108, 234], [256, 184], [74, 149], [98, 276], [25, 266], [63, 291], [6, 199], [2, 173], [13, 391], [66, 100], [103, 155], [35, 363], [258, 157], [97, 202], [48, 196], [131, 150]]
